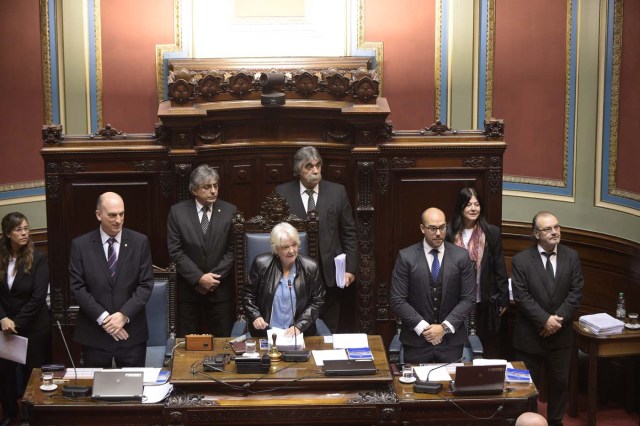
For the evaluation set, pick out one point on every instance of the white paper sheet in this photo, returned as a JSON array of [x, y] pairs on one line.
[[320, 356], [282, 341], [341, 266], [154, 394], [440, 374], [350, 340], [13, 347]]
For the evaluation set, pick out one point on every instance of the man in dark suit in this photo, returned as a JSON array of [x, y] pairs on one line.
[[200, 241], [547, 287], [432, 292], [111, 278], [337, 233]]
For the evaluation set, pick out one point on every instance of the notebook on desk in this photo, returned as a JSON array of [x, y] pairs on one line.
[[348, 367], [479, 380], [118, 385]]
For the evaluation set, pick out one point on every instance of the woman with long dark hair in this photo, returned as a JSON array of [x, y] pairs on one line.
[[469, 229], [24, 280]]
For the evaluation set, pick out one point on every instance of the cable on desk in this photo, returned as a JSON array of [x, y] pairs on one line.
[[495, 413]]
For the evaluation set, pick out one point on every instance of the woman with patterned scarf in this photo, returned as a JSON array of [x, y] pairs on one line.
[[469, 229]]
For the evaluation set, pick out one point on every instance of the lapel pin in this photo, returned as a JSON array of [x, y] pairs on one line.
[[218, 210], [125, 245]]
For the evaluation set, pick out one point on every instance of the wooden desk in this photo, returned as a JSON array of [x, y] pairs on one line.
[[293, 374], [446, 408], [51, 408], [296, 393], [625, 344]]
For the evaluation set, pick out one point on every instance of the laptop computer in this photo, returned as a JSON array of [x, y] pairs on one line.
[[117, 385], [479, 380], [349, 367]]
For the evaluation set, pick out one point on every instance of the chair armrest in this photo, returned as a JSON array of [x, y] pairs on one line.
[[322, 329], [395, 350], [239, 328], [476, 346], [171, 342]]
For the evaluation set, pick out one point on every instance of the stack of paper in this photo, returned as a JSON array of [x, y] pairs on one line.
[[602, 324], [350, 340]]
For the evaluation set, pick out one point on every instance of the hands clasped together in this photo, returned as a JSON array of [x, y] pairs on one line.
[[553, 324], [433, 334], [114, 325], [260, 324], [207, 283]]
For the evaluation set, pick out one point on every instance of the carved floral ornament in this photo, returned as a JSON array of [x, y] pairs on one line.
[[186, 87]]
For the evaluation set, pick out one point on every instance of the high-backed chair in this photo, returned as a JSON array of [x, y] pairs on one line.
[[252, 237], [161, 317]]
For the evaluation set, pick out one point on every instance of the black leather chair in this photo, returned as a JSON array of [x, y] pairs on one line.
[[161, 317], [252, 237]]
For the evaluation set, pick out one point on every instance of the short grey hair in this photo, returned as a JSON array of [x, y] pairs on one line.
[[200, 175], [304, 155], [282, 231]]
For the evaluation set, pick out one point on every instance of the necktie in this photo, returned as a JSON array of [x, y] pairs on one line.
[[204, 222], [548, 266], [311, 204], [112, 257], [435, 266]]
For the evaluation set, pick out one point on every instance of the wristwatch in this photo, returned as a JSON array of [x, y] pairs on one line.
[[446, 329]]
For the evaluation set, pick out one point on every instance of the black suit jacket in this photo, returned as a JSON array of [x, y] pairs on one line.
[[25, 303], [95, 291], [337, 233], [410, 297], [537, 297], [193, 256]]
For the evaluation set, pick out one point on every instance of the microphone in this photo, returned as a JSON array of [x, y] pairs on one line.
[[432, 387], [75, 390], [295, 355]]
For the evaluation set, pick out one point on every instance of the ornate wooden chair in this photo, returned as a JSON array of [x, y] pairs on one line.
[[161, 317], [251, 238]]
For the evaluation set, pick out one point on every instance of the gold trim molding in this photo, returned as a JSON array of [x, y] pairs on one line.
[[437, 105], [161, 49], [46, 62], [21, 185], [376, 46], [97, 36]]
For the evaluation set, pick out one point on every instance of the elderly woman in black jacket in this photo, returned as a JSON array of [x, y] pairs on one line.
[[283, 289], [24, 279]]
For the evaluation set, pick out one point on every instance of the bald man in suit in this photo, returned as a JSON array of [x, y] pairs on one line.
[[547, 285], [111, 278], [432, 292]]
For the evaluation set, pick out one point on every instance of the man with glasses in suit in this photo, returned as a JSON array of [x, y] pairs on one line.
[[433, 291], [547, 287]]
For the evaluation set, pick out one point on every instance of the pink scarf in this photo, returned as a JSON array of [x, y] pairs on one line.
[[475, 249]]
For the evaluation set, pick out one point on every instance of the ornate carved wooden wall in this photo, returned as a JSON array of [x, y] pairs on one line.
[[391, 177]]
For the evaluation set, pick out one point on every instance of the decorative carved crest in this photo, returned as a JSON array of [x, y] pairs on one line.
[[181, 91], [241, 83], [108, 132], [52, 134], [365, 90], [494, 128], [337, 84], [305, 83], [437, 128], [210, 85]]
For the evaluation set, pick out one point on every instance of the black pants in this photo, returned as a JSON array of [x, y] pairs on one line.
[[432, 353], [133, 356], [204, 317], [556, 365]]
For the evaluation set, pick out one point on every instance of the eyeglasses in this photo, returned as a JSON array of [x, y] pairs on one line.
[[208, 186], [549, 229], [434, 229], [21, 230]]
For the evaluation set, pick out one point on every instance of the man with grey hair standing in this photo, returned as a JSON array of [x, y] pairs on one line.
[[337, 233], [547, 287], [200, 242]]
